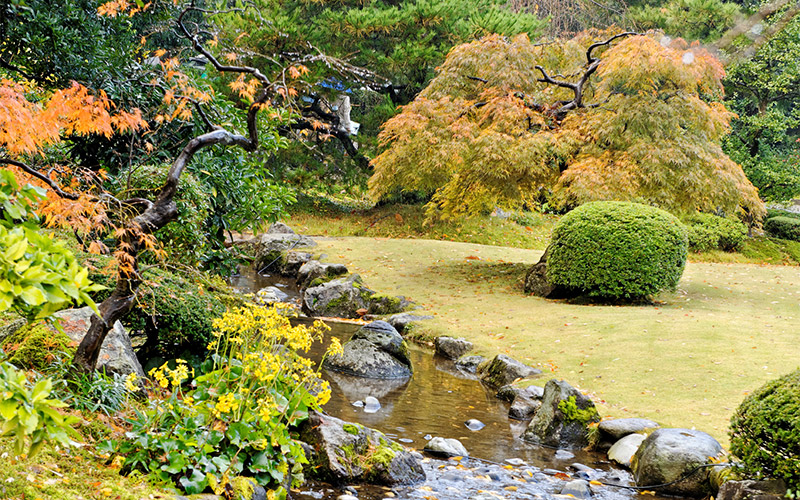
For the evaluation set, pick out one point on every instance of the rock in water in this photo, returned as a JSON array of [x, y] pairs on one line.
[[578, 489], [341, 298], [446, 447], [474, 424], [361, 358], [563, 419], [623, 450], [451, 348], [384, 336], [669, 454], [371, 405], [347, 452], [503, 370], [469, 364]]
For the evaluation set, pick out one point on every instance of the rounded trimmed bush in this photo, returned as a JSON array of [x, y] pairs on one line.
[[617, 250], [710, 232], [765, 430]]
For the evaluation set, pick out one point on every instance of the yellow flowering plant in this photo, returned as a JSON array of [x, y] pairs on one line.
[[235, 418]]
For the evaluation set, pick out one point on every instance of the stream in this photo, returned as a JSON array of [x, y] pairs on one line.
[[436, 401]]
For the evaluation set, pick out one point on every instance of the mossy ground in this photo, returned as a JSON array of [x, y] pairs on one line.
[[687, 361], [79, 473]]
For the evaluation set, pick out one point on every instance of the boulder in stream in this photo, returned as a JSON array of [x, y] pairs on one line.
[[404, 320], [269, 250], [469, 364], [375, 351], [563, 419], [671, 454], [348, 452], [314, 273], [446, 447], [623, 450], [451, 348], [341, 298], [503, 370], [616, 429]]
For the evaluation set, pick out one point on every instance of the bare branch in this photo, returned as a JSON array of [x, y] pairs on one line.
[[590, 59], [50, 182]]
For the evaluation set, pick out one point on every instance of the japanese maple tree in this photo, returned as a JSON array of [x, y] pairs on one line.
[[601, 116]]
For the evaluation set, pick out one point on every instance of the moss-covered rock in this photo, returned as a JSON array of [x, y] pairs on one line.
[[340, 454], [35, 346]]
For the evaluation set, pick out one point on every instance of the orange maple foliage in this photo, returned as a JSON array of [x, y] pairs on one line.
[[28, 128]]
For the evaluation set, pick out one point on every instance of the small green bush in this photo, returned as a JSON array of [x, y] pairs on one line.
[[710, 232], [174, 313], [786, 228], [617, 250], [765, 430]]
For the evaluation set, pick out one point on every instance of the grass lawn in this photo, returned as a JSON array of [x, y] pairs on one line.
[[685, 362]]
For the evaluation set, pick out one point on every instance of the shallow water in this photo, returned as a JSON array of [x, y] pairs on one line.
[[436, 401]]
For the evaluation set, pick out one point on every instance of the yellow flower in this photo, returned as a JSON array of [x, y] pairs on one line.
[[130, 383], [225, 404]]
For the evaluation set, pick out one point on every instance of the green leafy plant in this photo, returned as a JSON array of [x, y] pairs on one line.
[[787, 228], [237, 419], [710, 232], [617, 250], [38, 275], [28, 414], [569, 407], [765, 430]]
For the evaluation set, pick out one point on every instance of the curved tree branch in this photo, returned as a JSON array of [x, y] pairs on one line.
[[50, 182]]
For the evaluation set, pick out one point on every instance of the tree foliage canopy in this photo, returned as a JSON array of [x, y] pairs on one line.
[[632, 120]]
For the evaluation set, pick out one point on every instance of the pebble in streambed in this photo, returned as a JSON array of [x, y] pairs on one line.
[[474, 424]]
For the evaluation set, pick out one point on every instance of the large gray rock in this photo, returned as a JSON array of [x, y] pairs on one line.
[[116, 355], [293, 262], [401, 321], [563, 419], [315, 270], [383, 336], [280, 228], [623, 450], [347, 452], [503, 370], [362, 358], [669, 454], [269, 249], [536, 282], [341, 298], [446, 447], [451, 348], [618, 428], [774, 489]]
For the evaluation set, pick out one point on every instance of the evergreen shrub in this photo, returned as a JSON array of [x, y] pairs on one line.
[[786, 228], [617, 250], [175, 313], [765, 430], [710, 232]]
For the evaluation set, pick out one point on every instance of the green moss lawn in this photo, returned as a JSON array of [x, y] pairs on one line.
[[687, 361]]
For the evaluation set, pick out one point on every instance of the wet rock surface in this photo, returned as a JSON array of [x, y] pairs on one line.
[[618, 428], [469, 364], [562, 420], [671, 454], [503, 370], [345, 451], [451, 348], [402, 321]]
